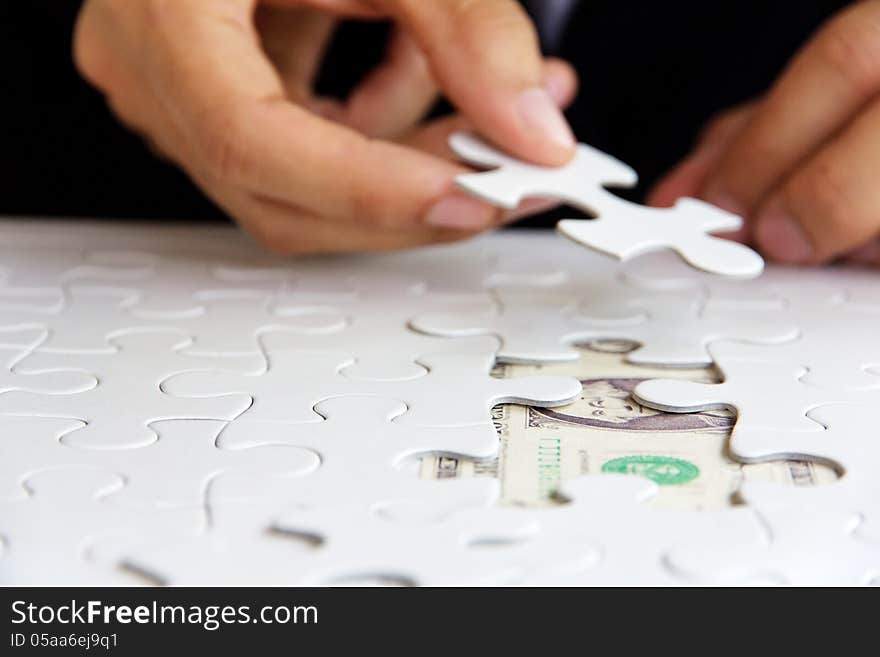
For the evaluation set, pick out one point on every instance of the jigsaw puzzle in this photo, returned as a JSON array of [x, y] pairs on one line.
[[672, 328], [178, 408], [132, 375], [280, 394], [360, 442], [49, 533], [837, 556]]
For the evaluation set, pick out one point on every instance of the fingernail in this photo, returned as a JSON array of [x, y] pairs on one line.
[[868, 253], [556, 88], [730, 204], [460, 212], [529, 207], [741, 235], [782, 238], [540, 113], [725, 202], [672, 186]]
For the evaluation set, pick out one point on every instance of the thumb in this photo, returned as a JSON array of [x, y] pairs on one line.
[[485, 57]]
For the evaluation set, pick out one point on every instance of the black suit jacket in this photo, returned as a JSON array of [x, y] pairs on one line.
[[652, 73]]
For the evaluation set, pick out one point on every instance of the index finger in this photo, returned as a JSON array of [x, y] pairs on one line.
[[834, 75], [241, 131]]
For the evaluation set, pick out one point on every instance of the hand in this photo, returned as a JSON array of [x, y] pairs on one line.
[[801, 163], [224, 89]]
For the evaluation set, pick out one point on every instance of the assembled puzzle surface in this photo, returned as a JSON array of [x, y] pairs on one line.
[[178, 407]]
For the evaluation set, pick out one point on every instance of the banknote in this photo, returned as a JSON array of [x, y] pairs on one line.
[[606, 431]]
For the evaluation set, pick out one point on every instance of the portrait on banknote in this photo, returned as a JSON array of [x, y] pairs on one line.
[[607, 403]]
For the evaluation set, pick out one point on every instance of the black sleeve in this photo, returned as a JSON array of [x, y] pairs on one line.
[[64, 152]]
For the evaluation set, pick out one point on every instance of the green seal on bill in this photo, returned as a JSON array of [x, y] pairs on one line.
[[662, 470]]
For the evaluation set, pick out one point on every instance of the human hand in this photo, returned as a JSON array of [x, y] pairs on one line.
[[800, 164], [223, 88]]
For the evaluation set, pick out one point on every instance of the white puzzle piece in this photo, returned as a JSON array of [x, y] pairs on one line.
[[176, 284], [625, 230], [822, 326], [73, 513], [673, 329], [533, 331], [678, 328], [778, 287], [232, 325], [239, 546], [59, 268], [185, 455], [457, 391], [822, 304], [766, 393], [82, 322], [633, 539], [32, 444], [374, 315], [800, 546], [235, 547], [131, 377], [227, 325], [482, 545], [46, 383], [359, 443], [848, 441], [598, 537], [665, 271], [511, 181], [621, 229]]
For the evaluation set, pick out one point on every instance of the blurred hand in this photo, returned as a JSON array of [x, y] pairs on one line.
[[801, 163], [224, 89]]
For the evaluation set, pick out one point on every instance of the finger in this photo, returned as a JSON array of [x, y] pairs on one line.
[[825, 85], [348, 8], [829, 205], [243, 133], [288, 230], [395, 95], [329, 108], [486, 59], [867, 254], [688, 177], [278, 150], [559, 79], [295, 41], [102, 54], [434, 138], [561, 82]]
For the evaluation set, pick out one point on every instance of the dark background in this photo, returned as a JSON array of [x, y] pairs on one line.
[[652, 73]]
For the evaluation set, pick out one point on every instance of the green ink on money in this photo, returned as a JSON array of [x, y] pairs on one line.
[[549, 458], [662, 470]]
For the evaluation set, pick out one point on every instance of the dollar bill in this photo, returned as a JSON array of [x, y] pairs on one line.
[[606, 431]]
